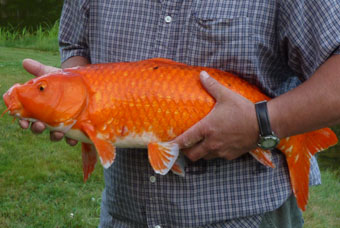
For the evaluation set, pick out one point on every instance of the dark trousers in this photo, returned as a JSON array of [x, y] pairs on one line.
[[286, 216]]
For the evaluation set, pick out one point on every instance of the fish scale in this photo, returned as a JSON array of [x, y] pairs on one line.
[[146, 104], [157, 103]]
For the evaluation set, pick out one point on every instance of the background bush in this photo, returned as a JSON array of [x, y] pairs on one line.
[[29, 13]]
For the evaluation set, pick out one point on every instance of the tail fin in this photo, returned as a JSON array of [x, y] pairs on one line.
[[298, 151]]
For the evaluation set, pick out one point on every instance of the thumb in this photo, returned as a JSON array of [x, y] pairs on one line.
[[190, 137], [213, 87], [36, 68]]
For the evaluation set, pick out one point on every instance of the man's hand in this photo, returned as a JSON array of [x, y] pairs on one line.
[[37, 69], [228, 131]]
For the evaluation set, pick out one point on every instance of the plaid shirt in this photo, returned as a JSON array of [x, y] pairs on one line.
[[275, 45]]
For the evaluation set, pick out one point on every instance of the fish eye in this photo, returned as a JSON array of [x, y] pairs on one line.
[[42, 86]]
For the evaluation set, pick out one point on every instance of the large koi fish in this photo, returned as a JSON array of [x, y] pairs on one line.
[[145, 104]]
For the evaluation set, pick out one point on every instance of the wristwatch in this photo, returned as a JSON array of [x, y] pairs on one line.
[[267, 139]]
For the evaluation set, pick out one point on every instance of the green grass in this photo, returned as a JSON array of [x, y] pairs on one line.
[[41, 182], [42, 38], [323, 209]]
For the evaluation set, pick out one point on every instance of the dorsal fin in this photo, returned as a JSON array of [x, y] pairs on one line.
[[164, 60]]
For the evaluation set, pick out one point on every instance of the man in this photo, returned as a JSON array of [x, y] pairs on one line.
[[276, 45]]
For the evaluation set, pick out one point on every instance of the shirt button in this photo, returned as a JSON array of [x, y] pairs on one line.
[[152, 179], [158, 226], [168, 19]]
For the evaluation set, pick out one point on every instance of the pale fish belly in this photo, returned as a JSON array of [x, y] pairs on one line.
[[78, 135], [131, 140]]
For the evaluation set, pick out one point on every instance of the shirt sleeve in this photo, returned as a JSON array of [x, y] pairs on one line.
[[337, 51], [309, 33], [73, 30]]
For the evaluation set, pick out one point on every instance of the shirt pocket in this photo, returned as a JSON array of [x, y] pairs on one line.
[[221, 40], [215, 29]]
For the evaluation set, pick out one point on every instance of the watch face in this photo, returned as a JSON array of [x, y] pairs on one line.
[[268, 142]]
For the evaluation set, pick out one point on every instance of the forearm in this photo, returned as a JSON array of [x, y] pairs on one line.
[[75, 61], [314, 104]]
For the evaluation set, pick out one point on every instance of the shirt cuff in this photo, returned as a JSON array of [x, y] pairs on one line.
[[68, 53], [337, 51]]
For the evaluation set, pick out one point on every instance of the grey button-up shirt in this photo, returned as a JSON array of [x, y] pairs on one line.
[[275, 45]]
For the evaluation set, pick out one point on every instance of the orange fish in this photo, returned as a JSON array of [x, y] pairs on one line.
[[145, 104]]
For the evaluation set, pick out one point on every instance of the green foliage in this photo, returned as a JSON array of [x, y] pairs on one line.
[[323, 209], [41, 183], [331, 158], [43, 38], [29, 14]]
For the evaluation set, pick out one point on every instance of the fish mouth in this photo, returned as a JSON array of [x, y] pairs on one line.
[[12, 103]]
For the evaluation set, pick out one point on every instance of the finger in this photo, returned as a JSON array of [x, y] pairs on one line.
[[190, 137], [196, 152], [213, 87], [210, 156], [36, 68], [24, 124], [56, 136], [38, 127], [71, 142]]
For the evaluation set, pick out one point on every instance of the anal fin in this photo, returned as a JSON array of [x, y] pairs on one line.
[[89, 157], [263, 156], [162, 156], [179, 167]]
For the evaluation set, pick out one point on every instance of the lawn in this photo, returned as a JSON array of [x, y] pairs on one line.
[[41, 182]]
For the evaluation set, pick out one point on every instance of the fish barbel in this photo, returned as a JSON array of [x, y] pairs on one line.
[[145, 104]]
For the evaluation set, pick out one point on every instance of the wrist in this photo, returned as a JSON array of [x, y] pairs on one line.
[[75, 61], [274, 119], [267, 138], [255, 131]]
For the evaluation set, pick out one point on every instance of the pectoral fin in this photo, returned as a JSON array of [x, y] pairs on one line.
[[162, 156], [89, 156], [105, 148]]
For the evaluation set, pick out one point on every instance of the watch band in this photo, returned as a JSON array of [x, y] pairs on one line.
[[263, 118]]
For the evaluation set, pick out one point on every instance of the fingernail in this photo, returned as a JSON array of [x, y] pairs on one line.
[[71, 142], [58, 135], [30, 61], [37, 127], [188, 144], [24, 124], [192, 157], [204, 75]]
